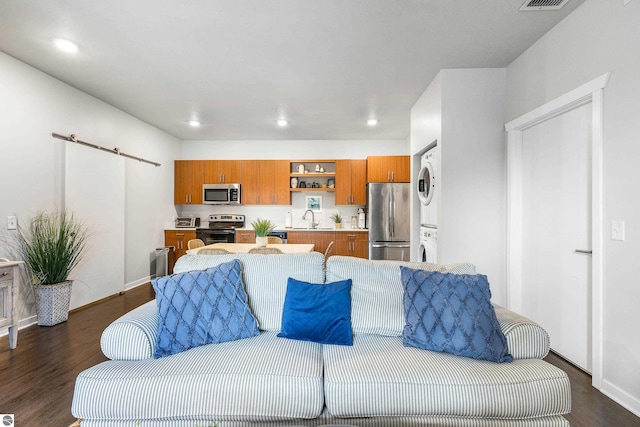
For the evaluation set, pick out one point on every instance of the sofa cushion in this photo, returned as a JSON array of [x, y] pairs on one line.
[[376, 293], [265, 278], [452, 313], [318, 312], [202, 307], [378, 376], [259, 378]]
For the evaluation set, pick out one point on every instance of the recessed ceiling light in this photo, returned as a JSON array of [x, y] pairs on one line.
[[372, 122], [282, 123], [66, 45], [194, 123]]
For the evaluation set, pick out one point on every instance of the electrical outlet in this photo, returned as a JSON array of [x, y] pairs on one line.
[[12, 222], [617, 230]]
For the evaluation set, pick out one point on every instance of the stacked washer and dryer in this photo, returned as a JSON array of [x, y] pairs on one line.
[[428, 196]]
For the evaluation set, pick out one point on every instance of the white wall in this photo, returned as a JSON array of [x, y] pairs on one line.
[[601, 36], [32, 106], [292, 150], [463, 109]]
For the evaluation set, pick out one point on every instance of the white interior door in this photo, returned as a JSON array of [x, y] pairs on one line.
[[556, 228]]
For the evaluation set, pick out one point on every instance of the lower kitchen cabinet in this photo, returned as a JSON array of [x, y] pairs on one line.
[[352, 243], [320, 239], [346, 243], [178, 239], [245, 236]]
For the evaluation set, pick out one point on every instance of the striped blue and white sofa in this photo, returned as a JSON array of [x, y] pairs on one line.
[[271, 381]]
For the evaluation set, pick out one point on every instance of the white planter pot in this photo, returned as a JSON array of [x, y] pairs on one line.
[[52, 303], [261, 241]]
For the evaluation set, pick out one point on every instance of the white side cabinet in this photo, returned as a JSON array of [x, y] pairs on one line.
[[8, 299]]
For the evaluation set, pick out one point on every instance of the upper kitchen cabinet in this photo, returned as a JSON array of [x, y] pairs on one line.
[[388, 169], [222, 171], [265, 182], [188, 179], [351, 182]]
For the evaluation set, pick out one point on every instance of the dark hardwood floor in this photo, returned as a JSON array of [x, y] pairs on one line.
[[37, 378]]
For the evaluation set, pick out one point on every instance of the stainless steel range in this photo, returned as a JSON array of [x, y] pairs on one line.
[[222, 229]]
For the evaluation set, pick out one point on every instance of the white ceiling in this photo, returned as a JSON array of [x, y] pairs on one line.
[[238, 65]]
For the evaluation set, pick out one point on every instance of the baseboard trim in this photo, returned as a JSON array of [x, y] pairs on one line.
[[136, 283], [32, 320], [24, 323], [620, 396]]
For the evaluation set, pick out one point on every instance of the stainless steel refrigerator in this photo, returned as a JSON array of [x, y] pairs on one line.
[[388, 220]]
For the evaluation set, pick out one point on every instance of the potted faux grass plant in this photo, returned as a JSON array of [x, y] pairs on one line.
[[262, 228], [337, 219], [51, 246]]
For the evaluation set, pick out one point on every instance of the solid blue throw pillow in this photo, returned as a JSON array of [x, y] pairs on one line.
[[452, 313], [202, 307], [317, 312]]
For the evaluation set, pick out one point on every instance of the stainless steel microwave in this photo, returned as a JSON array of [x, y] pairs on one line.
[[221, 194]]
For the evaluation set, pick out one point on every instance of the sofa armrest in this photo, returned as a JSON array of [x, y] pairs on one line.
[[132, 336], [525, 338]]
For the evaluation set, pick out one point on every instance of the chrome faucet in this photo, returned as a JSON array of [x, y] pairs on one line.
[[314, 224]]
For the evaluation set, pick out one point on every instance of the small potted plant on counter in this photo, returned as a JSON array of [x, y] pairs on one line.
[[262, 227], [51, 245], [337, 219]]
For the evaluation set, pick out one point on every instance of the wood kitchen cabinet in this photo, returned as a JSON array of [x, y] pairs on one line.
[[351, 182], [388, 169], [188, 179], [346, 243], [178, 239], [245, 236], [352, 243], [265, 182], [222, 171], [320, 239]]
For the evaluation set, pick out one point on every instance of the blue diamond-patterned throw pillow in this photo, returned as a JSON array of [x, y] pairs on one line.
[[201, 307], [452, 313]]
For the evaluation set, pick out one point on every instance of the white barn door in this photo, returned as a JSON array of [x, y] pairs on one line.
[[94, 191]]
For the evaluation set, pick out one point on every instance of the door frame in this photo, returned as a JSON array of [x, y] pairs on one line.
[[590, 92]]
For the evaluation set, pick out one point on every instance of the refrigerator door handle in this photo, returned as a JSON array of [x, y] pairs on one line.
[[393, 212], [373, 245]]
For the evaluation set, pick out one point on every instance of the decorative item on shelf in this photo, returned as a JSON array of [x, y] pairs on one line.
[[321, 170], [302, 184], [317, 168], [301, 168], [331, 183], [337, 219], [262, 228], [51, 246], [294, 182]]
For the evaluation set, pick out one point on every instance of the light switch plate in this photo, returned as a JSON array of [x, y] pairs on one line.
[[617, 230], [12, 222]]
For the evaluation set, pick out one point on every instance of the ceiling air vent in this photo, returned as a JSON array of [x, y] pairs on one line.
[[543, 4]]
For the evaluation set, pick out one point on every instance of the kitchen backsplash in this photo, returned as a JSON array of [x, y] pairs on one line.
[[277, 214]]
